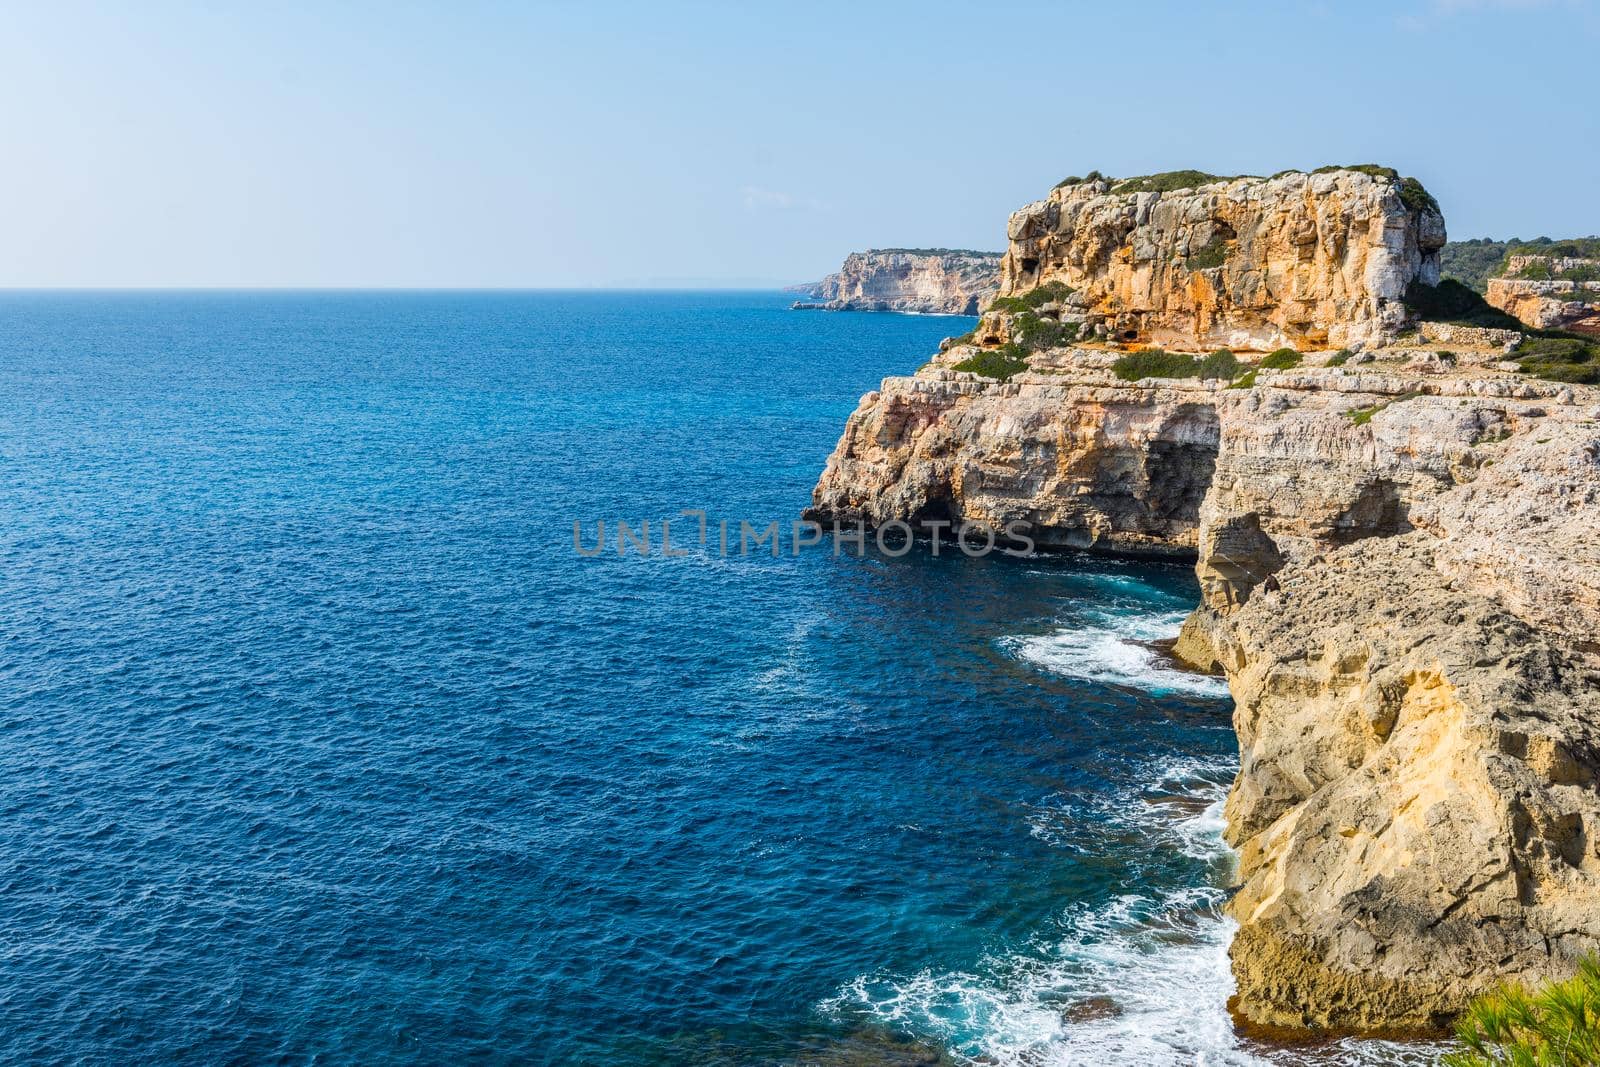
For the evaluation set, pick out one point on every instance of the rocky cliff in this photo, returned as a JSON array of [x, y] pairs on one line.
[[1550, 292], [928, 281], [1399, 578], [1297, 260]]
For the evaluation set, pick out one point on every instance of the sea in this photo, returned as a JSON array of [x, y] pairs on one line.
[[324, 741]]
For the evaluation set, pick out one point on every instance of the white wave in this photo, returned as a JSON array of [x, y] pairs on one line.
[[1142, 980], [1116, 651]]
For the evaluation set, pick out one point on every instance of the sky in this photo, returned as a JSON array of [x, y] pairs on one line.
[[480, 144]]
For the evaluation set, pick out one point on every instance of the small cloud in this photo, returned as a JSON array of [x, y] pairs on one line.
[[756, 198], [1453, 7], [1436, 10]]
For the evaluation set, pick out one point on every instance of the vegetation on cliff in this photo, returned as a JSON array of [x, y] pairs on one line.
[[1033, 299], [1556, 1026], [1474, 262], [1155, 363], [998, 363], [1560, 358], [1170, 181]]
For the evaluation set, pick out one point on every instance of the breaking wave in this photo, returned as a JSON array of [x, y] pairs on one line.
[[1142, 979], [1114, 650]]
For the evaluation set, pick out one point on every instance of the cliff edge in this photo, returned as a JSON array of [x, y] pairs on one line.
[[1395, 551]]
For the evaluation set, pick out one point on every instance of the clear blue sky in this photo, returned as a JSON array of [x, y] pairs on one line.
[[568, 144]]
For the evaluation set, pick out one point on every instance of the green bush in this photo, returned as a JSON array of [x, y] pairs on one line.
[[1033, 299], [1362, 416], [1170, 181], [1221, 364], [1450, 301], [1560, 358], [1247, 380], [1034, 333], [1214, 254], [1092, 176], [1557, 1026], [999, 363], [1282, 359], [1340, 358], [1568, 248], [1154, 363]]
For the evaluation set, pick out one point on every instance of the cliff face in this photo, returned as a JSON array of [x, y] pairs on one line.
[[924, 281], [1298, 260], [1399, 577], [1416, 809], [1550, 292]]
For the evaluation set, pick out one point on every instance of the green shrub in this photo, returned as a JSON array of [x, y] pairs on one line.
[[1569, 248], [1092, 176], [965, 339], [1169, 181], [1034, 333], [1559, 358], [1362, 416], [1214, 254], [999, 363], [1340, 358], [1282, 359], [1221, 364], [1247, 380], [1154, 363], [1033, 299], [1450, 301], [1536, 271], [1416, 197], [1373, 169], [1557, 1026]]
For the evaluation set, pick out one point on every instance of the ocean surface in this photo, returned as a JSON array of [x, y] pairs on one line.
[[321, 744]]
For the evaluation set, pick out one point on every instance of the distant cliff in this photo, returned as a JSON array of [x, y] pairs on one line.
[[928, 281], [1551, 288]]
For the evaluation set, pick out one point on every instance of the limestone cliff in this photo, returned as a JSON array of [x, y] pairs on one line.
[[1550, 292], [1416, 703], [929, 281], [1297, 260], [1417, 699]]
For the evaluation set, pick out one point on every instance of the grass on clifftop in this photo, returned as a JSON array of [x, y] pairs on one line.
[[1170, 181], [933, 252], [1557, 1026], [1092, 176]]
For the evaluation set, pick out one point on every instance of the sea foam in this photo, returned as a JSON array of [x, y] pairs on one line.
[[1116, 650]]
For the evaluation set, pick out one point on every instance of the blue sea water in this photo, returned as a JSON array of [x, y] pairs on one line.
[[321, 744]]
